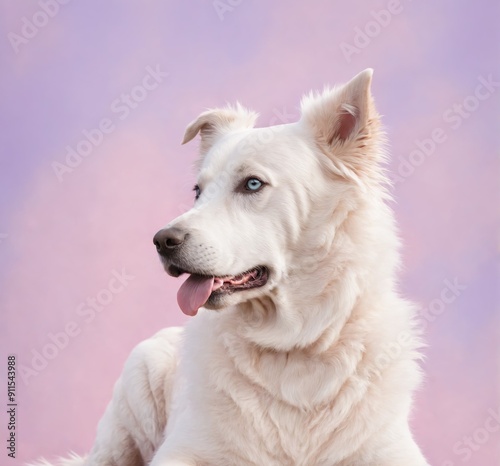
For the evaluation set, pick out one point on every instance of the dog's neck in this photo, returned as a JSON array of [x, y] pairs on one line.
[[319, 324], [288, 320], [313, 303]]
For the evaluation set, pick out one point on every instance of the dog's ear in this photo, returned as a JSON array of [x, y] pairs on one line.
[[344, 122], [216, 122]]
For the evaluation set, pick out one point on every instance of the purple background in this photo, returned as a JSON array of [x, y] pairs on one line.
[[61, 241]]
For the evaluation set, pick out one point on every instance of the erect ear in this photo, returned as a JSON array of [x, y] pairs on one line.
[[216, 122], [344, 121]]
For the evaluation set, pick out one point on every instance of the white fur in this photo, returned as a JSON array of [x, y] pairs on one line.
[[316, 368], [73, 460]]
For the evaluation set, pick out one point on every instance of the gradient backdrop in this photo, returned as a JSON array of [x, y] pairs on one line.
[[63, 239]]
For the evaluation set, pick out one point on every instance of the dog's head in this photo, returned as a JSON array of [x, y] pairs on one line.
[[269, 200]]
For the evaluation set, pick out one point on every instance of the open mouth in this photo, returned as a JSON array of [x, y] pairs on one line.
[[200, 288]]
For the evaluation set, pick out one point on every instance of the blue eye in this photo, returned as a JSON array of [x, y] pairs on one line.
[[253, 184]]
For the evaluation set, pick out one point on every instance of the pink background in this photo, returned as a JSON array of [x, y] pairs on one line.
[[64, 239]]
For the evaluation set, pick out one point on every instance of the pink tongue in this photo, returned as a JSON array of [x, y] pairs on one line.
[[194, 293]]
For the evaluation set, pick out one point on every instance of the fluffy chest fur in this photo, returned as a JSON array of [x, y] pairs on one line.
[[251, 406]]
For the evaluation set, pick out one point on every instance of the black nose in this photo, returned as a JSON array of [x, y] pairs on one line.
[[169, 240]]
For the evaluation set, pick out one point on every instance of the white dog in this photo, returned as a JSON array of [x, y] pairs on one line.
[[304, 353]]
